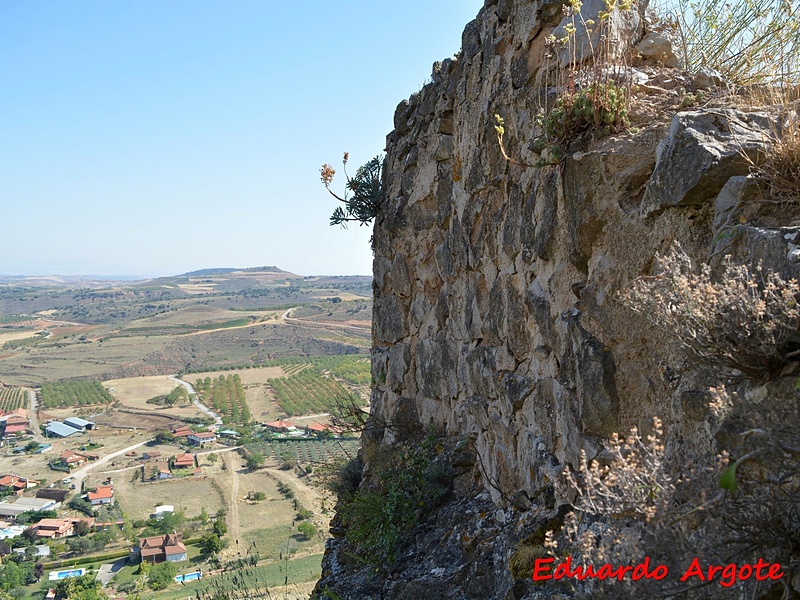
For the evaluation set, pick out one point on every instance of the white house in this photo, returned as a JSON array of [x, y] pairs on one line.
[[202, 437]]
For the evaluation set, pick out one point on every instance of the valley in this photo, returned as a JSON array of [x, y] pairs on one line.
[[207, 397]]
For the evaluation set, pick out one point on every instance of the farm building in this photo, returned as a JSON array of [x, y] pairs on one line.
[[59, 429], [12, 511], [37, 504], [162, 510], [151, 455], [182, 432], [42, 551], [79, 424]]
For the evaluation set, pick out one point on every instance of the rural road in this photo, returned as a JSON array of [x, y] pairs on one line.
[[33, 417], [196, 400], [79, 475], [233, 509]]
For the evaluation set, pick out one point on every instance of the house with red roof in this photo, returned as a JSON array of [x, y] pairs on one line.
[[16, 423], [103, 494], [280, 426], [72, 459], [158, 470], [183, 461], [54, 529], [162, 547], [182, 432], [15, 483]]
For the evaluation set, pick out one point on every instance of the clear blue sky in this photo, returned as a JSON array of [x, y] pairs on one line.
[[155, 137]]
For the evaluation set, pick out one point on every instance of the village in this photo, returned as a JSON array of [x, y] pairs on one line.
[[86, 498]]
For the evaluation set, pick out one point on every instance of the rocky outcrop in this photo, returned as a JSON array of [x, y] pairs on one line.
[[496, 309]]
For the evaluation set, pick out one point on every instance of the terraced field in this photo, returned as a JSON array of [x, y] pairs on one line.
[[12, 398]]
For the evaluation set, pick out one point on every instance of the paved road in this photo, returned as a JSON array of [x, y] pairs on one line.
[[108, 570], [33, 417], [196, 401]]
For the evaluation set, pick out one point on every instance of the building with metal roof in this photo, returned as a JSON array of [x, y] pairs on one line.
[[59, 429], [78, 423]]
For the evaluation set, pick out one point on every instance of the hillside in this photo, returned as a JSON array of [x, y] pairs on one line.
[[59, 328]]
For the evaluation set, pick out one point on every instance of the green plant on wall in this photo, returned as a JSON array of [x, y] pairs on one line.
[[363, 193], [590, 100]]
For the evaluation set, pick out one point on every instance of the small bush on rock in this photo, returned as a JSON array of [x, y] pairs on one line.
[[407, 481], [742, 320]]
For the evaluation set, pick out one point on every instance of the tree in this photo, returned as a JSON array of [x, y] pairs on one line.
[[212, 458], [84, 587], [163, 437], [204, 516], [172, 522], [307, 530], [162, 574], [82, 528], [31, 446], [254, 460], [220, 528], [210, 544], [11, 576]]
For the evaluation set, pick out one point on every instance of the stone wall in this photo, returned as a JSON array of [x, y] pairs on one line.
[[496, 313]]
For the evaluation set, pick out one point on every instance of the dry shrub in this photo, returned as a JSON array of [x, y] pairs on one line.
[[645, 502], [619, 504], [633, 481], [743, 320]]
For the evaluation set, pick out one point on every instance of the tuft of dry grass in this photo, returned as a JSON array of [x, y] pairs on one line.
[[780, 170], [748, 41]]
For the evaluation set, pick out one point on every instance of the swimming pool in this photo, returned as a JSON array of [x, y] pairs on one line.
[[188, 577], [55, 575]]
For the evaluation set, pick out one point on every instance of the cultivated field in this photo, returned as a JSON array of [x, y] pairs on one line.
[[13, 398], [134, 392], [260, 402], [255, 375]]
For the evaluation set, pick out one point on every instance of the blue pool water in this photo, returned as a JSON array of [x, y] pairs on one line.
[[188, 577], [54, 575]]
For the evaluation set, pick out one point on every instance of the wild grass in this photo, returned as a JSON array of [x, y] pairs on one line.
[[780, 169], [748, 41]]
